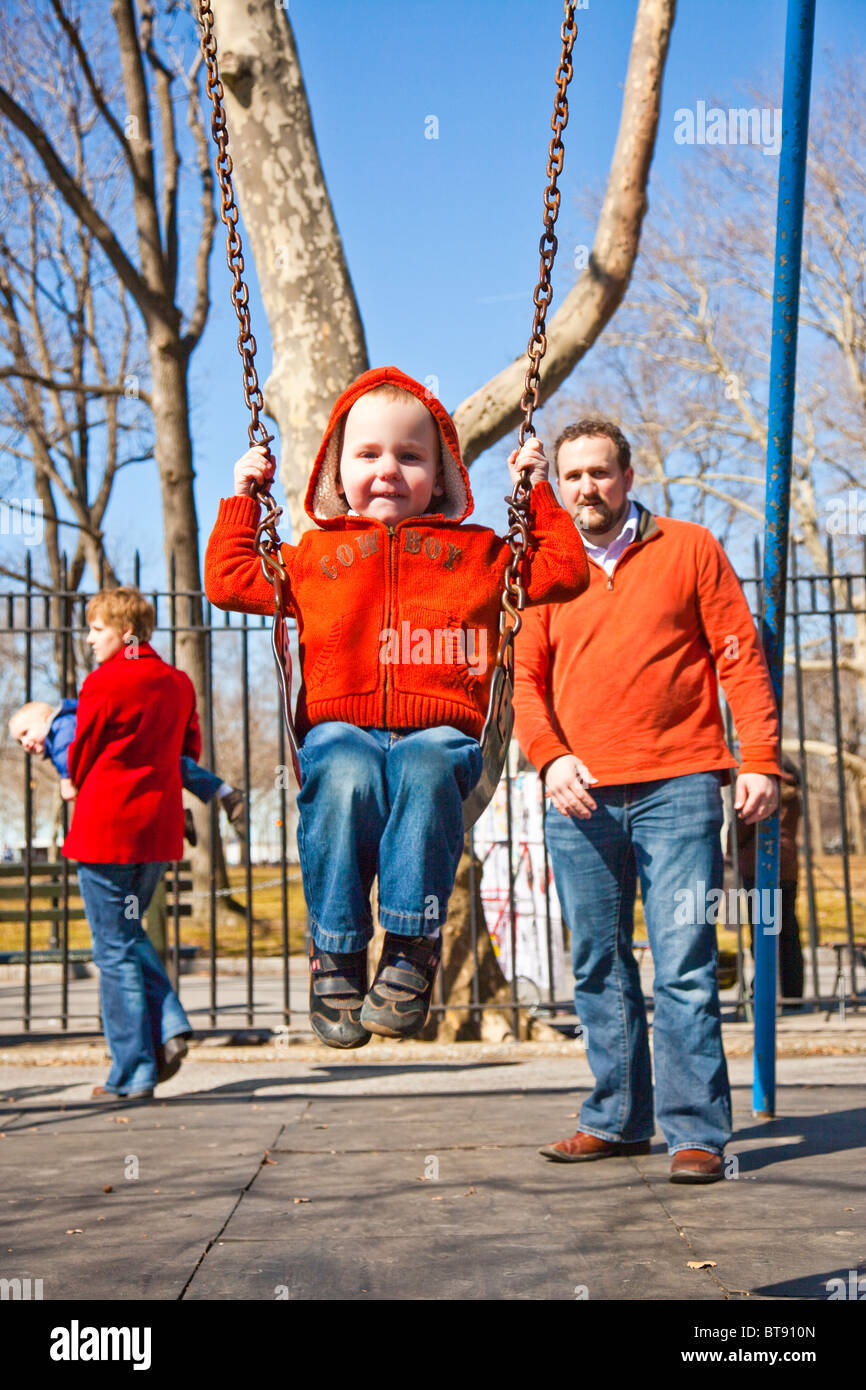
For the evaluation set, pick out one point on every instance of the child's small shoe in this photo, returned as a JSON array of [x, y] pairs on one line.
[[234, 803], [399, 999], [338, 984]]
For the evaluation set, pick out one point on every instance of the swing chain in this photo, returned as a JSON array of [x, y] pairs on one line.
[[267, 541], [513, 595], [548, 244]]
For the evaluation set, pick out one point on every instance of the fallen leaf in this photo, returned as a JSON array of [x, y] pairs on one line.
[[437, 1199], [108, 1187], [75, 1231], [321, 1127], [270, 1160], [298, 1200], [702, 1264], [156, 1189], [470, 1193], [121, 1119]]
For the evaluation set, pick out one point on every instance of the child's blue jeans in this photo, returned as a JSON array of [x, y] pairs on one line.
[[387, 802]]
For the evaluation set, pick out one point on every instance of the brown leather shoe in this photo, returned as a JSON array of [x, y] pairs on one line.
[[582, 1148], [696, 1165]]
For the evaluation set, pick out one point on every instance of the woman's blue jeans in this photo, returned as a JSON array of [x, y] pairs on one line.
[[667, 834], [140, 1010], [387, 802]]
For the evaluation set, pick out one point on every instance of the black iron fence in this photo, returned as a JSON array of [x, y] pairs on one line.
[[235, 908]]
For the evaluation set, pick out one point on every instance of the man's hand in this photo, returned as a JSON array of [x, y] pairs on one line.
[[68, 789], [757, 797], [566, 780], [530, 456]]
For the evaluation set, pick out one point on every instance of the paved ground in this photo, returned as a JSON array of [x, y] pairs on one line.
[[411, 1172]]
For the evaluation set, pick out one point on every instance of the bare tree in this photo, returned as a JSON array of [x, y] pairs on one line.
[[92, 100], [71, 399], [125, 90]]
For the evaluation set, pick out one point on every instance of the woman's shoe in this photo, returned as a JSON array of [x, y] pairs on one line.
[[338, 984], [399, 1000], [171, 1054], [102, 1093]]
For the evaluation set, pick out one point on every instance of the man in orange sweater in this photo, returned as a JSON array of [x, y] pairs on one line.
[[397, 602], [617, 691]]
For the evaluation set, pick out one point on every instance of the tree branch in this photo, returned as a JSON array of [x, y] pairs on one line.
[[489, 413], [152, 305]]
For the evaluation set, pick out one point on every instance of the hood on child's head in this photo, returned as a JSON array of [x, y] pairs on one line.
[[323, 502]]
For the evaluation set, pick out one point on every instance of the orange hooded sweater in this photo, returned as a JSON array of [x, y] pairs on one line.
[[397, 625]]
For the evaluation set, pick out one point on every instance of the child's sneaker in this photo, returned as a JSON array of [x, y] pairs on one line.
[[189, 831], [234, 803], [338, 984], [399, 998]]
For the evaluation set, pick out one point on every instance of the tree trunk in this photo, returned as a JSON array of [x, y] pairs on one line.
[[855, 813], [318, 339], [173, 455], [459, 1024]]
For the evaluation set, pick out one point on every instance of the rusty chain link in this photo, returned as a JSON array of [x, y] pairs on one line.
[[513, 596], [267, 540]]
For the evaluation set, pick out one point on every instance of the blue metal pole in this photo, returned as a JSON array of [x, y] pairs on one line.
[[799, 36]]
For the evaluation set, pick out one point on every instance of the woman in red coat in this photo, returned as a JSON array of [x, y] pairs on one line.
[[136, 718]]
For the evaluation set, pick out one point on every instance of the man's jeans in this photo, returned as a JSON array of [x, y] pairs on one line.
[[140, 1010], [376, 800], [667, 833], [199, 780]]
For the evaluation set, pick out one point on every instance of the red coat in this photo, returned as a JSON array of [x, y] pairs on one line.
[[136, 719]]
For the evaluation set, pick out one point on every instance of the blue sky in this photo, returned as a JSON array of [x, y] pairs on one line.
[[441, 236]]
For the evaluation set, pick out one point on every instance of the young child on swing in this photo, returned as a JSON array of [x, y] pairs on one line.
[[397, 603], [47, 731]]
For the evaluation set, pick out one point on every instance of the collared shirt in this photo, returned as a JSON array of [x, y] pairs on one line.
[[607, 556]]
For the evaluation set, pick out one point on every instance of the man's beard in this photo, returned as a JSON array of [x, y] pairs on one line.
[[598, 518]]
